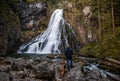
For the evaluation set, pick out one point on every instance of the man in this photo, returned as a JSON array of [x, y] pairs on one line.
[[68, 54]]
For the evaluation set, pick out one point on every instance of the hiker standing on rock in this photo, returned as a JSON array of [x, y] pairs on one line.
[[68, 54]]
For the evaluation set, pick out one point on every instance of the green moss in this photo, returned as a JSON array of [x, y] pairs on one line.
[[7, 11], [108, 47], [51, 56], [30, 1]]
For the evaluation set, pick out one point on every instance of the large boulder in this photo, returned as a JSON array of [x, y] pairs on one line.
[[43, 71], [75, 74], [5, 76]]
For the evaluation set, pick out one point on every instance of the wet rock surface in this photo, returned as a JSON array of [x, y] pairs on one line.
[[21, 69], [31, 15], [43, 69]]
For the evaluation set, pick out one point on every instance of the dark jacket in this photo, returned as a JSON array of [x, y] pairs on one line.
[[69, 52]]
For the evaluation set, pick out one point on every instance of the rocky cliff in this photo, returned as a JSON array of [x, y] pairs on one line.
[[35, 16], [32, 15], [32, 18], [19, 22]]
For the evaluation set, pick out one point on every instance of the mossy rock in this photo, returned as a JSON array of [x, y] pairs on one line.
[[51, 56]]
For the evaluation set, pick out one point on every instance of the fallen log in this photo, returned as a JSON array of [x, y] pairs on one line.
[[110, 65], [112, 61]]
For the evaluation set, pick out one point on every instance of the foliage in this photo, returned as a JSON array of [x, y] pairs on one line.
[[108, 47], [30, 1]]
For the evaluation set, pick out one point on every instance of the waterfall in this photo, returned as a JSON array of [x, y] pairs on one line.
[[54, 39]]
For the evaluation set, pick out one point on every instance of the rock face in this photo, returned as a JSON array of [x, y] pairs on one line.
[[3, 39], [12, 18], [32, 15], [80, 17], [9, 32]]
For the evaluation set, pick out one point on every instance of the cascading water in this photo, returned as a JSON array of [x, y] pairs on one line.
[[54, 40]]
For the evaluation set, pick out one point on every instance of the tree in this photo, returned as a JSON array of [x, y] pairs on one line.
[[99, 30], [113, 22]]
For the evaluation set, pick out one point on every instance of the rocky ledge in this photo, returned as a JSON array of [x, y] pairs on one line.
[[44, 69]]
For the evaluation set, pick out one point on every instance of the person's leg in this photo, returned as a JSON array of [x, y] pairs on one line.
[[71, 63], [68, 64]]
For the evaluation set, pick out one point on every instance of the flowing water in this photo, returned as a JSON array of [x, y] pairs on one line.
[[54, 40]]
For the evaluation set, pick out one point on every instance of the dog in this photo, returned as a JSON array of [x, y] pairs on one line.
[[62, 68]]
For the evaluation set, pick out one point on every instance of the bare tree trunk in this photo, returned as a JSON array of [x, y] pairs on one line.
[[113, 61], [99, 30], [113, 22]]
